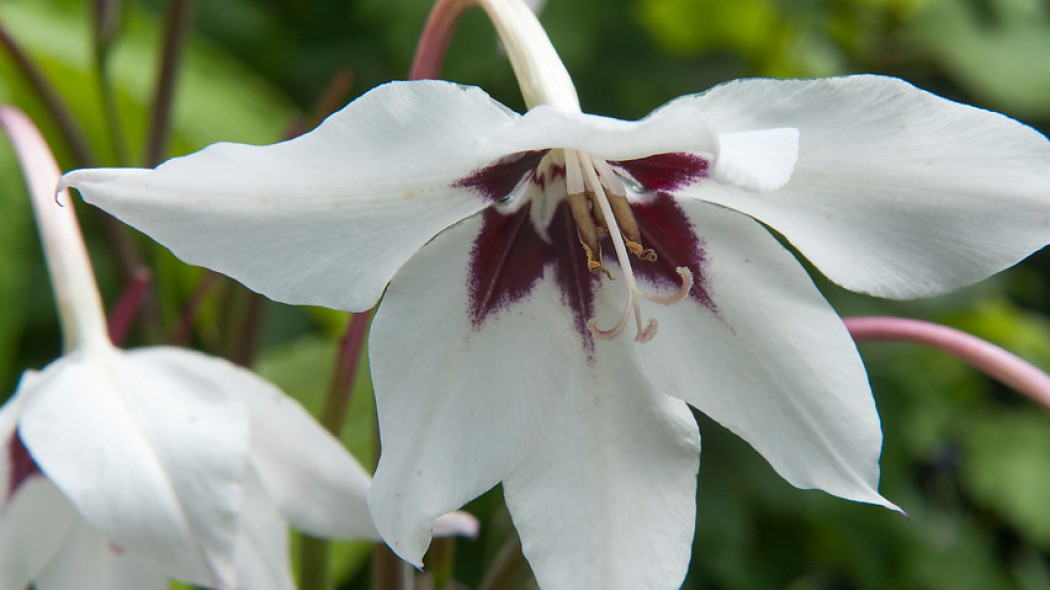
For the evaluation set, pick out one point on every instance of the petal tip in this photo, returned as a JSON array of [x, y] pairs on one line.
[[457, 524]]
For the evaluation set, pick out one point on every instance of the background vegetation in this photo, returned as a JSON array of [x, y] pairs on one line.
[[968, 460]]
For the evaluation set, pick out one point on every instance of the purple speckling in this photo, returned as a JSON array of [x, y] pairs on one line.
[[665, 172], [496, 181]]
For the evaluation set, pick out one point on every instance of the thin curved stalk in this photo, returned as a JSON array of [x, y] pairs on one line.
[[992, 360]]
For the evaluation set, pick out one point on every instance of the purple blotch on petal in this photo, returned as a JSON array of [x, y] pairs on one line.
[[496, 181], [22, 465], [506, 262], [665, 172], [666, 229]]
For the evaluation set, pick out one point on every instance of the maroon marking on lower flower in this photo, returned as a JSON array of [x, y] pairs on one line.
[[22, 465], [506, 262], [509, 257], [666, 229], [577, 284], [665, 172], [498, 180]]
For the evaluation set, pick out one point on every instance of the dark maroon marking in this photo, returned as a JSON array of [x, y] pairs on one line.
[[665, 172], [508, 259], [577, 284], [666, 229], [505, 263], [22, 465], [498, 180]]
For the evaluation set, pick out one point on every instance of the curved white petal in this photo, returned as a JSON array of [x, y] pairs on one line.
[[89, 560], [608, 498], [457, 524], [34, 525], [34, 516], [772, 361], [150, 447], [675, 127], [323, 219], [897, 192], [458, 408], [308, 474], [262, 543]]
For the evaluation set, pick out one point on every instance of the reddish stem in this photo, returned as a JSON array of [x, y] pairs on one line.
[[437, 33], [123, 313], [994, 361]]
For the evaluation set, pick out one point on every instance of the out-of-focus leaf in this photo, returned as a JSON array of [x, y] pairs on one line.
[[216, 98], [18, 247], [1001, 56], [1007, 468]]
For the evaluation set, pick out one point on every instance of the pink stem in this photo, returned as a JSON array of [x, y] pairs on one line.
[[437, 33], [989, 358], [122, 314]]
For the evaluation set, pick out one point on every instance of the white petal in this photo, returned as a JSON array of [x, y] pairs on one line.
[[772, 361], [324, 219], [897, 192], [262, 544], [457, 524], [89, 560], [150, 447], [458, 408], [308, 474], [34, 524], [760, 160], [672, 128], [608, 499], [34, 516]]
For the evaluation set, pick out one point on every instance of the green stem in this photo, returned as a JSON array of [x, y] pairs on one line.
[[71, 133], [314, 553], [509, 570], [177, 22]]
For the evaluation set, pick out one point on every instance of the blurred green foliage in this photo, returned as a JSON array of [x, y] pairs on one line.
[[968, 460]]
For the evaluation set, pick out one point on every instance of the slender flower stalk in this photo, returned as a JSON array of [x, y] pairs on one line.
[[76, 295], [541, 75], [125, 310], [71, 132], [177, 21], [1000, 364]]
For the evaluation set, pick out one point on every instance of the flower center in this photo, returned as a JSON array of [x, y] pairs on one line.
[[598, 202]]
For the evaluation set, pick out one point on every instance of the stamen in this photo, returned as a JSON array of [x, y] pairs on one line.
[[610, 180], [680, 294], [598, 193]]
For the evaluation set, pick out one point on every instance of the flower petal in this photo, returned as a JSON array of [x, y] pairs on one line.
[[89, 560], [671, 128], [34, 525], [150, 447], [308, 474], [897, 192], [608, 498], [768, 358], [323, 219], [34, 516], [262, 543], [459, 404]]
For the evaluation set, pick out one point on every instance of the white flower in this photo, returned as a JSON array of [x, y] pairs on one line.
[[560, 287], [121, 468]]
